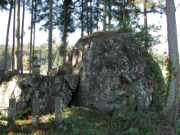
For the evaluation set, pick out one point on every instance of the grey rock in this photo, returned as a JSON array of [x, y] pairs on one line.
[[104, 72], [98, 63], [27, 87]]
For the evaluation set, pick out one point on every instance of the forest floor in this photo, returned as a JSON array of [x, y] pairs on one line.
[[86, 121]]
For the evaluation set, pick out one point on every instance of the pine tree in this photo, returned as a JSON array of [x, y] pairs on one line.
[[17, 47], [50, 36], [7, 35], [104, 15], [30, 63], [13, 46], [97, 16], [22, 34]]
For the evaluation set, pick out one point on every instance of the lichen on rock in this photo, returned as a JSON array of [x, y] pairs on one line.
[[105, 56]]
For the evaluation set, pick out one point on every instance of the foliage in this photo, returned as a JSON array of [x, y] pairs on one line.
[[26, 62], [3, 117], [34, 56], [81, 120], [2, 50], [138, 31], [3, 4], [154, 73]]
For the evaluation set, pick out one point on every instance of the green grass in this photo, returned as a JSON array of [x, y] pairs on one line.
[[86, 121]]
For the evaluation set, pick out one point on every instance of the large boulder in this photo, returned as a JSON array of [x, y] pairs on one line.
[[115, 73], [26, 87]]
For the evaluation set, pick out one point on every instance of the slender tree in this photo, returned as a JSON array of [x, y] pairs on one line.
[[124, 14], [173, 98], [22, 34], [91, 22], [104, 15], [97, 16], [34, 32], [145, 25], [87, 18], [17, 46], [109, 14], [30, 65], [14, 22], [64, 32], [82, 17], [7, 35], [50, 36]]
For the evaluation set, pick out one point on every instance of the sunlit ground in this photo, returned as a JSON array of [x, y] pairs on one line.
[[86, 121]]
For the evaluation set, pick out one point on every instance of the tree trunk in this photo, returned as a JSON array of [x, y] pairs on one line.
[[82, 29], [91, 23], [97, 4], [14, 23], [173, 98], [50, 36], [7, 36], [34, 32], [17, 46], [22, 34], [145, 25], [87, 17], [64, 32], [124, 14], [104, 15], [30, 65], [109, 5]]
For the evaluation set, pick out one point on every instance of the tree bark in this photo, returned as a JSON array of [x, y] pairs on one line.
[[91, 23], [87, 17], [82, 17], [17, 46], [109, 5], [30, 65], [14, 23], [50, 36], [145, 25], [124, 14], [22, 34], [34, 32], [7, 36], [97, 4], [173, 98], [64, 32], [104, 15]]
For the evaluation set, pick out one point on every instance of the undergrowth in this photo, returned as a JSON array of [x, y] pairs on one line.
[[87, 121]]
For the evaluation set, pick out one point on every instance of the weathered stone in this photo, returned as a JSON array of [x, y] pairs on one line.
[[35, 107], [98, 59], [26, 87], [58, 110], [131, 102], [140, 104], [105, 70], [12, 112]]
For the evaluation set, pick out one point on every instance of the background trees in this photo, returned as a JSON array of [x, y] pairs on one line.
[[88, 15]]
